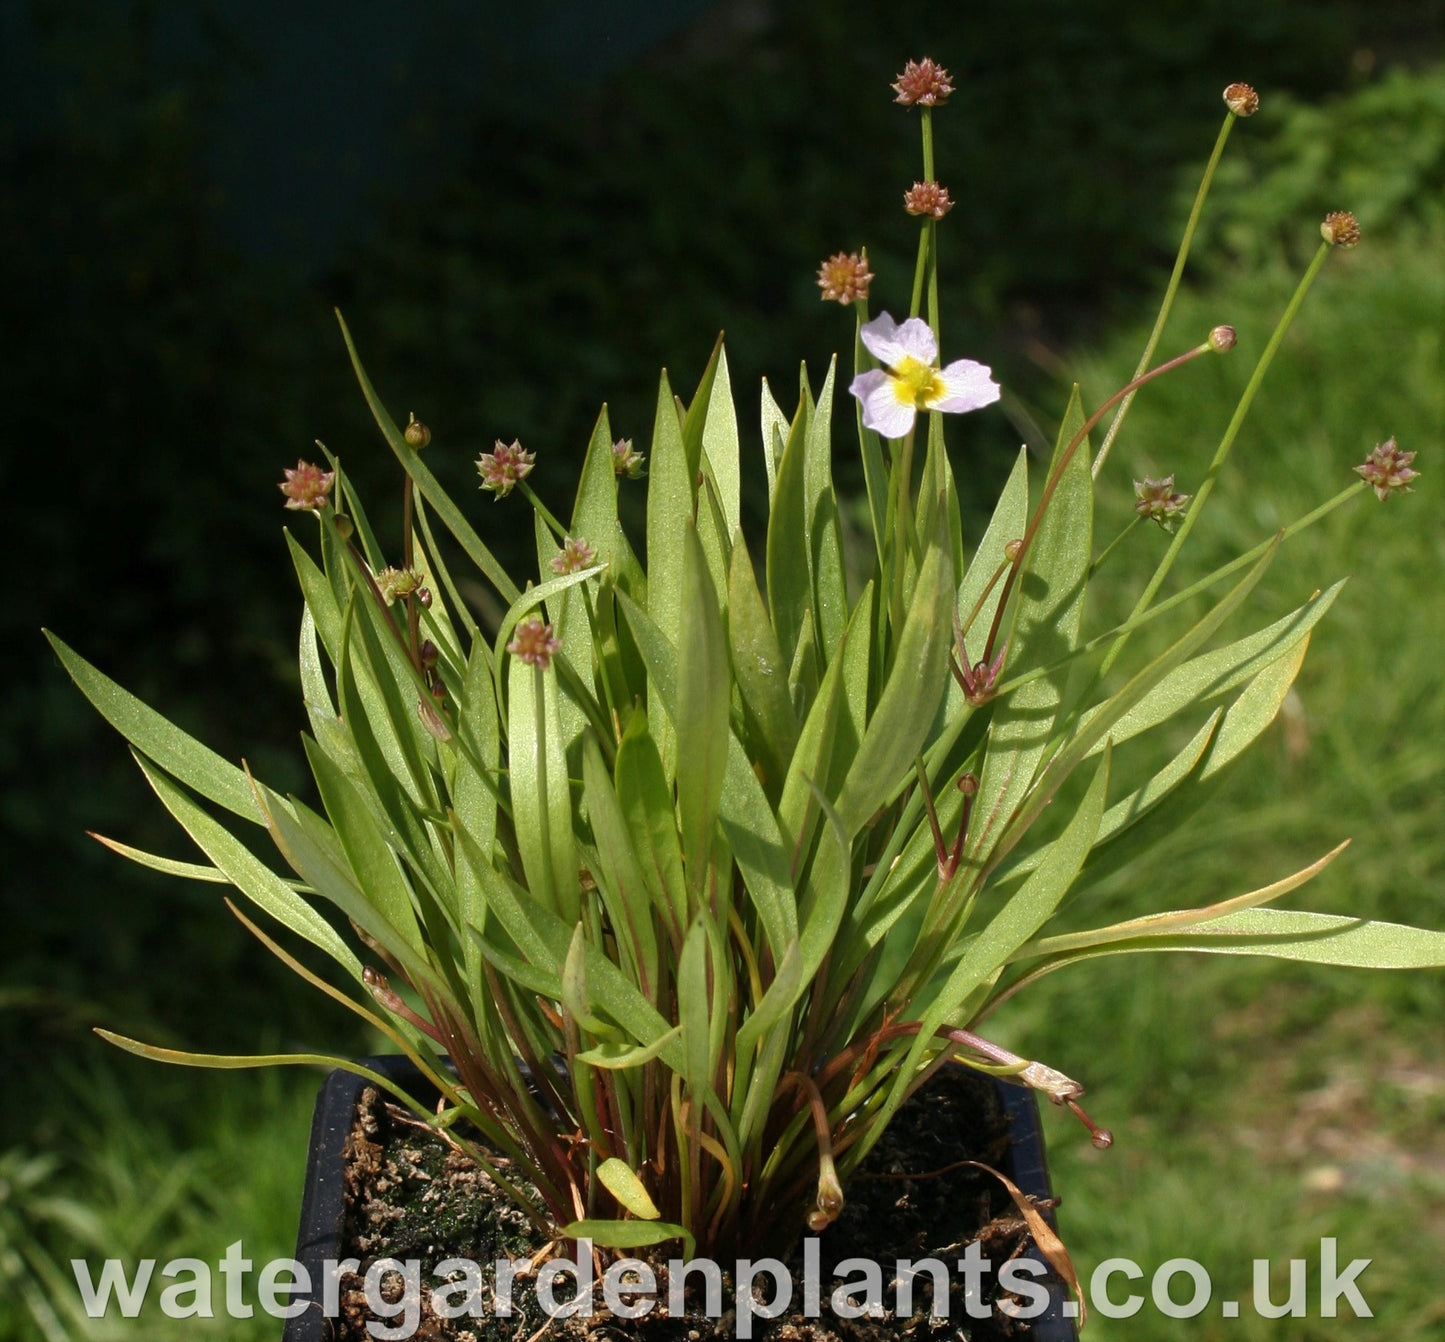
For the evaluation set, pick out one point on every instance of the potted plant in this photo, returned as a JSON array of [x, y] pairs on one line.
[[676, 883]]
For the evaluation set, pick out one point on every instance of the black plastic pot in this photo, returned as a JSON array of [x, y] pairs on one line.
[[323, 1205]]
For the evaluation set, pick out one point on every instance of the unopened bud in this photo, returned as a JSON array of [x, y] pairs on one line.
[[1013, 550], [344, 529], [1340, 228], [1221, 339], [1241, 100], [968, 785], [417, 433]]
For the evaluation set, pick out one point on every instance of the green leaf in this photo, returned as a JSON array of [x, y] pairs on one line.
[[782, 993], [760, 672], [789, 572], [475, 789], [824, 530], [630, 1234], [1019, 919], [618, 871], [720, 443], [320, 600], [619, 1179], [373, 864], [1025, 912], [1098, 726], [266, 890], [575, 1000], [647, 809], [1285, 934], [745, 815], [915, 688], [431, 488], [812, 759], [594, 515], [541, 794], [875, 471], [1155, 812], [704, 689], [1176, 920], [1009, 521], [671, 500], [309, 845], [1046, 625], [775, 434], [694, 1000], [181, 756], [1217, 672], [315, 692], [614, 1057]]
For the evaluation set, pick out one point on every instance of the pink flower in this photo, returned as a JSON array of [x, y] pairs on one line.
[[504, 466], [534, 642], [908, 381], [307, 486], [576, 555]]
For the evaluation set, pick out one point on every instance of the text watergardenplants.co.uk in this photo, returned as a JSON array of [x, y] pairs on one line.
[[395, 1290]]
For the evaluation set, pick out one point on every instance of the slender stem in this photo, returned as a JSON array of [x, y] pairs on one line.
[[1057, 474], [1172, 290], [1112, 545], [920, 269], [1134, 622], [407, 558], [903, 539], [543, 511], [1221, 453]]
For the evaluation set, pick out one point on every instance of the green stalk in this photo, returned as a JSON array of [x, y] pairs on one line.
[[1173, 288], [1221, 453], [1138, 621], [1113, 544], [543, 511], [1052, 483]]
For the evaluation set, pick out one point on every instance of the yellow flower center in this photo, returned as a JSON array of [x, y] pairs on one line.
[[916, 383]]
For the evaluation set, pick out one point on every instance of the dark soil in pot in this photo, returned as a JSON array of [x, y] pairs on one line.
[[409, 1197]]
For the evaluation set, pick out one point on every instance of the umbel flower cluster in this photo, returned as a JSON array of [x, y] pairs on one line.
[[694, 870]]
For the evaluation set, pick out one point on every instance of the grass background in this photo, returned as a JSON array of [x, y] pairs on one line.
[[167, 377]]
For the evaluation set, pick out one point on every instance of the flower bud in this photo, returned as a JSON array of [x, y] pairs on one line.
[[923, 82], [1157, 500], [1388, 470], [576, 555], [417, 433], [1340, 228], [504, 466], [534, 642], [1241, 99], [344, 529], [627, 460], [844, 277], [1014, 549], [927, 198], [1221, 339], [307, 486]]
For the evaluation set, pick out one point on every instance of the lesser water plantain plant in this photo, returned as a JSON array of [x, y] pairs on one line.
[[695, 870]]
